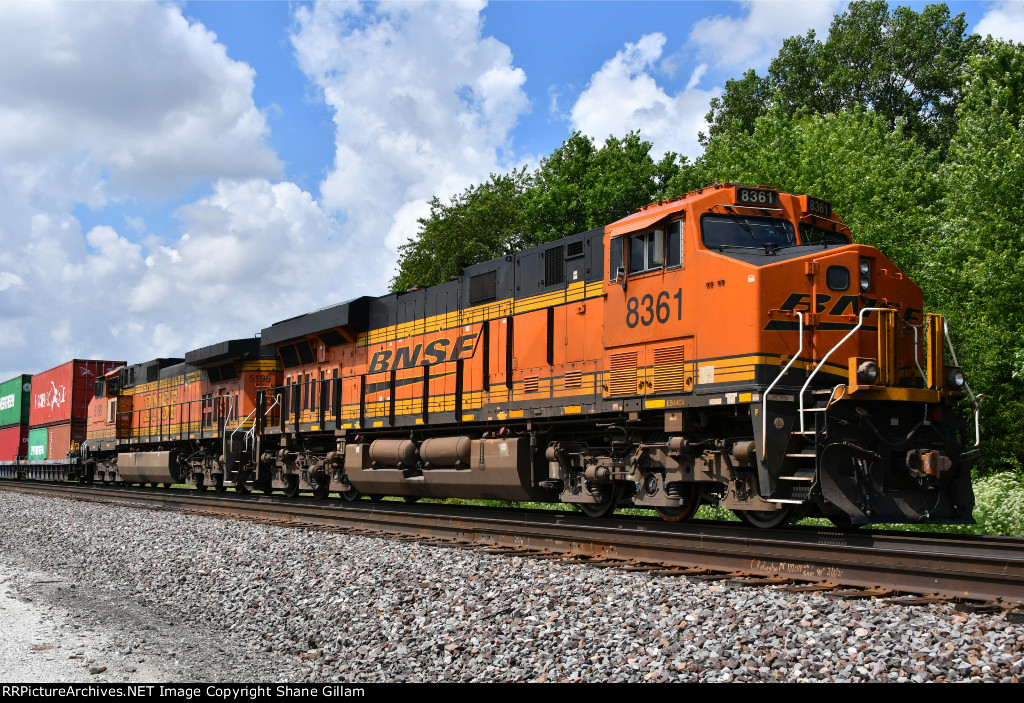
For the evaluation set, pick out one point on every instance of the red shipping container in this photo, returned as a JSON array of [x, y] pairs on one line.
[[62, 394], [14, 442], [62, 437]]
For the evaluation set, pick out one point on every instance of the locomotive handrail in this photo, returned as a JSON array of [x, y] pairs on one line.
[[252, 430], [240, 424], [924, 376], [974, 400], [860, 323], [764, 405]]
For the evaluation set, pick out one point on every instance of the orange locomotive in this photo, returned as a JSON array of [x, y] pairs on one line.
[[730, 347], [177, 420]]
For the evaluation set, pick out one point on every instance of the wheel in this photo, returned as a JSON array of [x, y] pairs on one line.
[[351, 495], [242, 488], [411, 499], [684, 512], [766, 519], [167, 485], [606, 505], [376, 497], [291, 486], [322, 488], [200, 481], [218, 484]]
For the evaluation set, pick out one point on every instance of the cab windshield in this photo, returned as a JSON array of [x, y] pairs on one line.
[[719, 231], [816, 235]]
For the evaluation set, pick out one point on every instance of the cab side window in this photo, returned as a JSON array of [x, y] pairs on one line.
[[656, 249], [614, 258]]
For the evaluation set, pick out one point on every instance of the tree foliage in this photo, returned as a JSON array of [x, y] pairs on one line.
[[978, 271], [882, 183], [577, 187], [483, 222], [903, 65]]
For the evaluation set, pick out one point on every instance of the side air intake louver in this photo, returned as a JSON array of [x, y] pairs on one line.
[[483, 288], [554, 266]]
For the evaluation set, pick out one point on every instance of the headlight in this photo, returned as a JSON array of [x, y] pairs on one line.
[[865, 283], [864, 266], [867, 372], [955, 378]]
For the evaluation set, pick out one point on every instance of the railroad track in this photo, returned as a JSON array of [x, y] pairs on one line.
[[912, 567]]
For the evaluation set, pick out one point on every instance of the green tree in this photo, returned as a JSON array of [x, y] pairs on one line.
[[483, 222], [577, 187], [979, 268], [580, 186], [904, 65], [881, 183]]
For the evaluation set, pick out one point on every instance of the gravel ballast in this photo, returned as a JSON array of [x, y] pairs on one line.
[[182, 598]]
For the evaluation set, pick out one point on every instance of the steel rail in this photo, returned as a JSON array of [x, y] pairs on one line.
[[989, 569]]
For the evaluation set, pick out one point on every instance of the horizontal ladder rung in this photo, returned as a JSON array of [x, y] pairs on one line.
[[809, 456], [808, 479], [785, 500]]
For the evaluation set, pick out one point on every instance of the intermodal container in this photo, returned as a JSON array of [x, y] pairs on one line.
[[14, 442], [62, 394], [14, 401], [37, 444], [62, 439]]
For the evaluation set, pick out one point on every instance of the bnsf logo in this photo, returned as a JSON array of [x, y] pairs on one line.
[[436, 352], [7, 402]]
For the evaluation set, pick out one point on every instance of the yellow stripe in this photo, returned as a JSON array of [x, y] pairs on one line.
[[480, 313]]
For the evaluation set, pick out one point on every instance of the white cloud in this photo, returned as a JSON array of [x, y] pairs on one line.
[[109, 101], [623, 96], [97, 99], [695, 77], [753, 38], [1003, 20], [254, 251], [423, 105]]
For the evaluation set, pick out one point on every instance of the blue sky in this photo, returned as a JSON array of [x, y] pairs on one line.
[[172, 175]]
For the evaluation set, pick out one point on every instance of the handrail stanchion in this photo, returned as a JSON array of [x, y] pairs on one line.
[[764, 402]]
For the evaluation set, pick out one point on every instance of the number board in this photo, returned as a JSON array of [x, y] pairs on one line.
[[756, 196], [822, 208]]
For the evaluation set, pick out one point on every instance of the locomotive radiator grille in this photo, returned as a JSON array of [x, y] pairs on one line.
[[669, 370], [622, 374], [573, 379]]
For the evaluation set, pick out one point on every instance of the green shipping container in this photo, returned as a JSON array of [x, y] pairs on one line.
[[15, 400], [37, 443]]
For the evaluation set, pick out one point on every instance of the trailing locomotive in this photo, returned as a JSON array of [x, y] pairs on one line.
[[729, 347]]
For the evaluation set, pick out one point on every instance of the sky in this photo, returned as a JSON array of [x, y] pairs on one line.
[[176, 174]]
